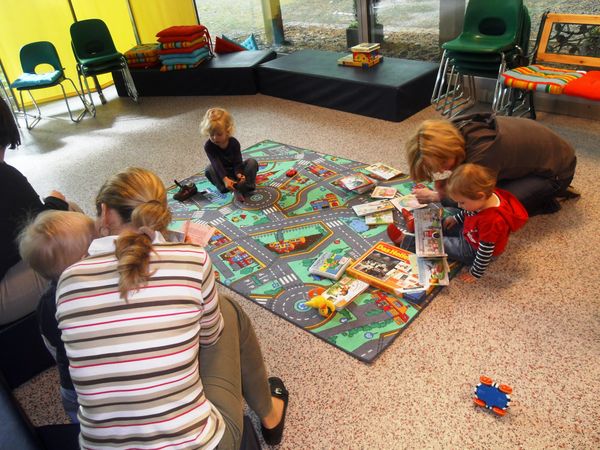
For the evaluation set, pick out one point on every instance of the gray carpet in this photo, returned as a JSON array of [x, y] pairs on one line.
[[533, 322]]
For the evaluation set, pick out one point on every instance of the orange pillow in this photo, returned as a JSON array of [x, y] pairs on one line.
[[588, 86], [223, 46], [181, 30]]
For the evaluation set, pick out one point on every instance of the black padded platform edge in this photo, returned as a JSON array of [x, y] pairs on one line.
[[226, 74], [392, 90]]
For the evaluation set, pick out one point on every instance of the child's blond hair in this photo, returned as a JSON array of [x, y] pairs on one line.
[[216, 119], [431, 146], [470, 181], [54, 240]]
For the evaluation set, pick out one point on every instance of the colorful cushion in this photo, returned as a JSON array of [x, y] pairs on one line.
[[540, 78], [250, 43], [588, 86], [178, 38], [225, 46], [182, 30], [142, 51]]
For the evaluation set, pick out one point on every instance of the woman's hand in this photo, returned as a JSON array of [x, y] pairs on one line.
[[426, 195], [58, 195], [450, 222]]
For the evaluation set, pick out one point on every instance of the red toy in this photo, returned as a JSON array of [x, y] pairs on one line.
[[290, 173]]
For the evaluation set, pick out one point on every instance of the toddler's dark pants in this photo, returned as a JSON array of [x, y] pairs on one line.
[[250, 170]]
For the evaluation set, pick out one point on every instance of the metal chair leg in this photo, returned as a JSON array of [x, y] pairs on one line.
[[37, 118], [99, 90]]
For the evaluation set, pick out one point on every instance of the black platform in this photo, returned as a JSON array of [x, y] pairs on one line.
[[392, 90], [227, 74]]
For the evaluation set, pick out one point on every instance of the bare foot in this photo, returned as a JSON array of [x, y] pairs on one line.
[[272, 419]]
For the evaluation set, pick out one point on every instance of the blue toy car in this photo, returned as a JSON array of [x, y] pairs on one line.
[[492, 395]]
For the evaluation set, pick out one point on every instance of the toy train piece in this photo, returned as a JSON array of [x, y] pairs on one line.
[[492, 396]]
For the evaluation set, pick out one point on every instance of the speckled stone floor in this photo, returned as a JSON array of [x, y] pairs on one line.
[[533, 322]]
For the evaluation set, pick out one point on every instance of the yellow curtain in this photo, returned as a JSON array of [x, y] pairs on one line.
[[25, 21], [151, 16]]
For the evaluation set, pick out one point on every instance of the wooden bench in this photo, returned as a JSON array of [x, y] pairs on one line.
[[566, 52]]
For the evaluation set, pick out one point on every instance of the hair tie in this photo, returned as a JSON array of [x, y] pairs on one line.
[[148, 232]]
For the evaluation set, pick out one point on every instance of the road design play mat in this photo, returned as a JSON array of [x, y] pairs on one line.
[[263, 247]]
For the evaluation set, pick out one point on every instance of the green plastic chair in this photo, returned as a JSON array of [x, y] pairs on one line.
[[33, 55], [96, 54]]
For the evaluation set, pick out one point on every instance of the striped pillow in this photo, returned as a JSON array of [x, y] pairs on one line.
[[540, 78]]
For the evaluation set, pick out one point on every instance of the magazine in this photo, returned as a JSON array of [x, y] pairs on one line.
[[372, 207], [344, 291], [382, 171], [408, 202], [384, 192], [197, 233], [433, 271], [388, 268], [380, 218], [357, 182], [329, 265], [429, 239]]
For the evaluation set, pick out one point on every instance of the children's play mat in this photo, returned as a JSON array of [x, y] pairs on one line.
[[263, 247]]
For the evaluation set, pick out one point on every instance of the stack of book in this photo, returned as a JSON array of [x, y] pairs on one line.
[[429, 245]]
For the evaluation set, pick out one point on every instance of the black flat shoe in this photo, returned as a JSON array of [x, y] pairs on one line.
[[272, 436]]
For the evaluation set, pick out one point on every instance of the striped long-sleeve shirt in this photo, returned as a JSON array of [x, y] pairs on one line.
[[485, 250], [134, 363]]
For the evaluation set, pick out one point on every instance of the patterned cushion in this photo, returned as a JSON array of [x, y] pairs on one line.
[[33, 80], [540, 78], [182, 30], [588, 86], [250, 43]]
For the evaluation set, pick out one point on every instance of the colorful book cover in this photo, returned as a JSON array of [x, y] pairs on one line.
[[380, 218], [357, 182], [388, 268], [382, 171], [384, 192], [429, 239], [408, 202], [372, 207], [433, 271], [344, 291], [329, 265]]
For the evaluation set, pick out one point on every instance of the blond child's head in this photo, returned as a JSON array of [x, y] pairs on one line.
[[471, 181], [435, 147], [54, 240], [216, 120]]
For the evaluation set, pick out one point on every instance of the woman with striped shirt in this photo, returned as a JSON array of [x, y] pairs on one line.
[[141, 318]]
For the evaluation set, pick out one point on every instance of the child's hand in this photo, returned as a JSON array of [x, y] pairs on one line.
[[450, 222], [241, 177], [467, 277], [229, 183], [426, 195]]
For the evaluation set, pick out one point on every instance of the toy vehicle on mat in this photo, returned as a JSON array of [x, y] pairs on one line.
[[493, 396]]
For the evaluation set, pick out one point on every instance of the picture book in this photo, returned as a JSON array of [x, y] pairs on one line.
[[388, 268], [344, 291], [382, 171], [357, 182], [380, 218], [372, 207], [384, 192], [428, 231], [433, 271], [329, 265], [408, 202], [197, 233]]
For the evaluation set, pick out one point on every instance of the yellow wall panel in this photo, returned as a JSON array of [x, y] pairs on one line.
[[151, 16], [25, 21]]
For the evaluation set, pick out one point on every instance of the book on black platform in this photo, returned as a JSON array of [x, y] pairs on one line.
[[387, 267]]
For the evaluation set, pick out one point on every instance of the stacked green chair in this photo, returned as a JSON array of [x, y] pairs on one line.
[[33, 55], [495, 35], [96, 54]]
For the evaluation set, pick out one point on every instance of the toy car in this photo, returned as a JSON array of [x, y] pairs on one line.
[[290, 173], [493, 396]]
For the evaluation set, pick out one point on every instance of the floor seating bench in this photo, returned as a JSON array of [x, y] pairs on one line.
[[225, 74]]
